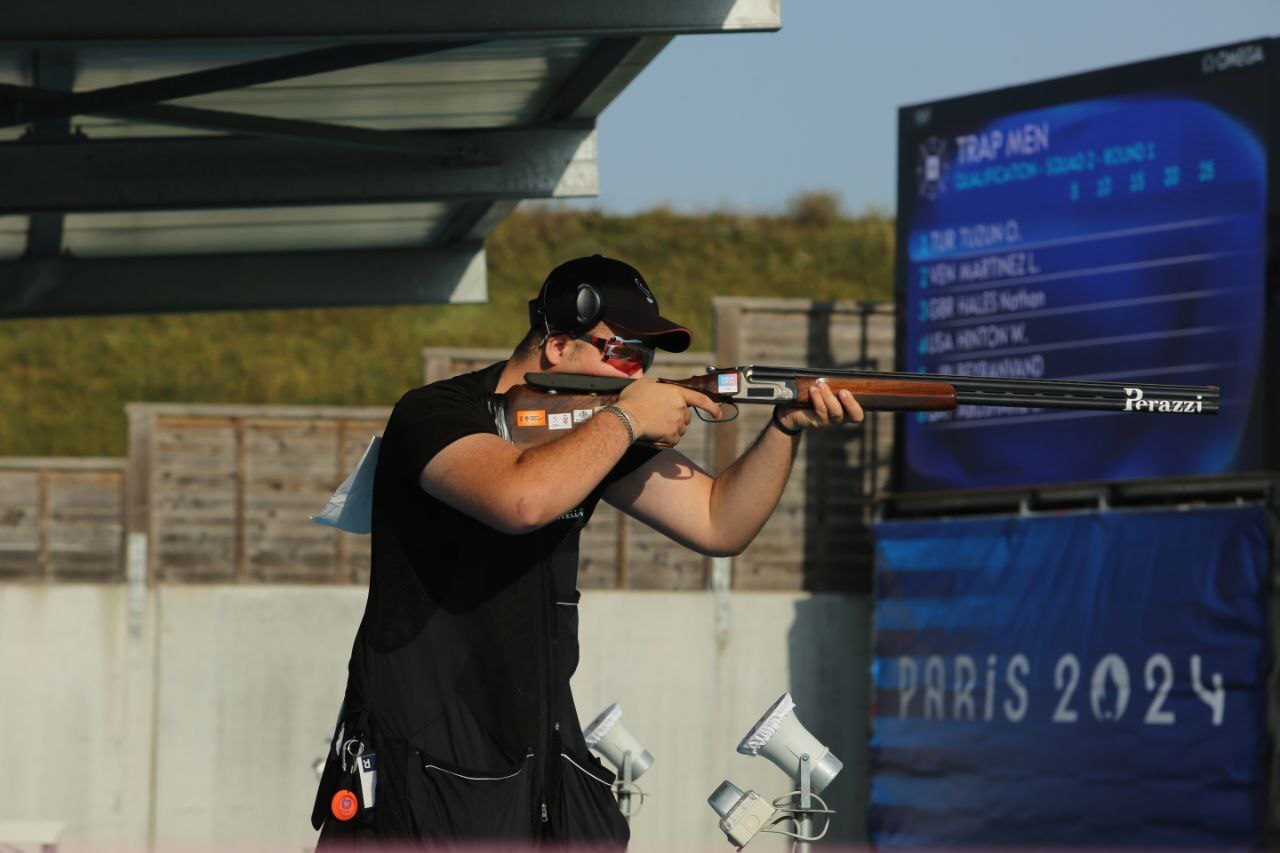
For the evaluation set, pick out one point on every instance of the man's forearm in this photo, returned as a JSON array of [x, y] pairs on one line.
[[516, 491], [553, 478], [744, 495]]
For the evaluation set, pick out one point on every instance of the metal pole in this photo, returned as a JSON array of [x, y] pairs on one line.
[[804, 820], [625, 791]]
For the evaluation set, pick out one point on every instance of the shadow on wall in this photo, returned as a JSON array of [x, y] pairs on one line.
[[839, 474], [828, 648]]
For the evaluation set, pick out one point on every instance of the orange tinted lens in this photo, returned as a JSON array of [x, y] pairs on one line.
[[629, 357], [626, 365]]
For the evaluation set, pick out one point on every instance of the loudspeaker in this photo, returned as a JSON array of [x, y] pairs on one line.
[[608, 736], [780, 737], [725, 797], [742, 813]]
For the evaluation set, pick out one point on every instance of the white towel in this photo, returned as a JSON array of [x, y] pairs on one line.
[[351, 507]]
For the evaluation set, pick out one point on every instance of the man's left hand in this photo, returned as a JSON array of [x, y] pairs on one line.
[[829, 410]]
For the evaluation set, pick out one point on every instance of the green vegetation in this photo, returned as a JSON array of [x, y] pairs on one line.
[[64, 382]]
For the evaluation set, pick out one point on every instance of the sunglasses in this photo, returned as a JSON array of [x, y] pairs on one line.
[[626, 354]]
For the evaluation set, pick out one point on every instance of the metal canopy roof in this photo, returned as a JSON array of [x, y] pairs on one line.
[[289, 153]]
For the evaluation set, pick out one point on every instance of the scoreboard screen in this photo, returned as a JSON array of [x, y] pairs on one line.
[[1106, 226]]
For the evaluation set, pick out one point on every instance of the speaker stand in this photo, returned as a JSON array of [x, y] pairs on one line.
[[625, 788], [804, 818]]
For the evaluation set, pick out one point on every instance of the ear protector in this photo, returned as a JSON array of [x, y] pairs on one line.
[[563, 307]]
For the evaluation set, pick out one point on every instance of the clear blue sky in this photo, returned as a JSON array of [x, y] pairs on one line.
[[747, 121]]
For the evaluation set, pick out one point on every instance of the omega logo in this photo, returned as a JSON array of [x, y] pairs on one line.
[[1226, 60]]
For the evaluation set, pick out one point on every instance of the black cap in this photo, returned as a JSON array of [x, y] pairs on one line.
[[622, 299]]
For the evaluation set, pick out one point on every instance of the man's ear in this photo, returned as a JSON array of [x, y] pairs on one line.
[[555, 349]]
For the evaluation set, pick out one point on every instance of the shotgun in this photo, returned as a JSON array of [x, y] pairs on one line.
[[549, 404]]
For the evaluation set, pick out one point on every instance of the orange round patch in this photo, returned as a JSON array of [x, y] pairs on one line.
[[344, 805]]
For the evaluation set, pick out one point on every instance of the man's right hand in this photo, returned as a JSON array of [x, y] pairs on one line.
[[660, 411]]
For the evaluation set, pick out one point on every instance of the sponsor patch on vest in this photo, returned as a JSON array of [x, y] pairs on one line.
[[531, 418]]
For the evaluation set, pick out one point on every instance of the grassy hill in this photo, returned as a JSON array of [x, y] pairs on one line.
[[64, 382]]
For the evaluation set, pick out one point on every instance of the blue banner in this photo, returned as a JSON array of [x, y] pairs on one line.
[[1084, 679]]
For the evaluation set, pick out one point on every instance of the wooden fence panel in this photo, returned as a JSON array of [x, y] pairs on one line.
[[818, 538], [20, 515], [228, 491], [195, 497], [289, 472], [85, 524], [60, 519]]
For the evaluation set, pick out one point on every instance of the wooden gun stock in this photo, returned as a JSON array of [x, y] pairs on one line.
[[533, 411]]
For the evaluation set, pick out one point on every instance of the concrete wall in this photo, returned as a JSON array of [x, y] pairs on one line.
[[76, 703], [199, 726]]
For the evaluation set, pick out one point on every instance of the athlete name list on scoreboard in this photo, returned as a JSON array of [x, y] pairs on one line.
[[1094, 242]]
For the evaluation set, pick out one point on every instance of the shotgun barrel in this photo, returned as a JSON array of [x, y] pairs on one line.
[[888, 391], [1130, 396]]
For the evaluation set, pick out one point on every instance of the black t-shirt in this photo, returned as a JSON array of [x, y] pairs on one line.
[[469, 635]]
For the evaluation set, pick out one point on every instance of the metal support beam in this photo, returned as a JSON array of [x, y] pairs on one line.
[[475, 221], [156, 174], [25, 108], [601, 77], [589, 76], [55, 70], [268, 127], [399, 20], [68, 286]]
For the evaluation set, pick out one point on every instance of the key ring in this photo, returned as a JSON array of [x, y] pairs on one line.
[[354, 753]]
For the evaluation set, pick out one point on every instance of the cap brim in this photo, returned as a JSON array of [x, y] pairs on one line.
[[666, 335]]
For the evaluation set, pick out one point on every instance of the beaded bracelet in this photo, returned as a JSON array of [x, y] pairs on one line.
[[626, 421]]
